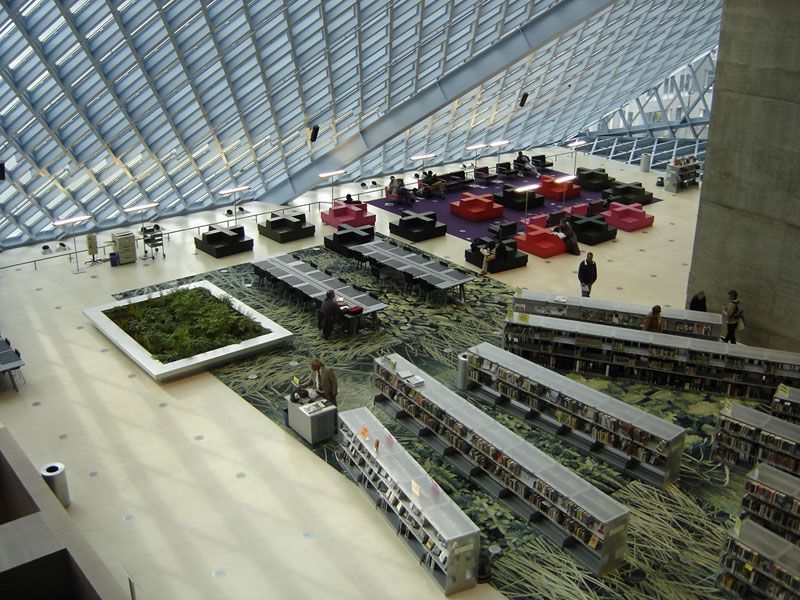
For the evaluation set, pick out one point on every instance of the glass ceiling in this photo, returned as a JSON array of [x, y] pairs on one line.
[[106, 105]]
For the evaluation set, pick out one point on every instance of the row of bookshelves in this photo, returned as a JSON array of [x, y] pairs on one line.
[[658, 358], [594, 522], [621, 428], [745, 435], [786, 404], [772, 499], [442, 537], [620, 314], [759, 563]]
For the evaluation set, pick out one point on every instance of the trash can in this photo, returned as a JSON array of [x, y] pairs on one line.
[[55, 476], [644, 163], [114, 259], [463, 372]]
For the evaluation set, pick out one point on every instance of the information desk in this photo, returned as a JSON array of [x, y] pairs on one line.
[[313, 418], [9, 362], [431, 272], [314, 284]]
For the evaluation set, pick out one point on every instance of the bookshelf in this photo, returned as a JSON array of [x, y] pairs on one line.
[[658, 358], [756, 563], [772, 499], [677, 321], [745, 435], [786, 404], [630, 439], [563, 507], [434, 528]]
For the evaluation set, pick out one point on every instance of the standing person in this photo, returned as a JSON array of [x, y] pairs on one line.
[[587, 274], [734, 314], [698, 302], [323, 380], [653, 321], [330, 312]]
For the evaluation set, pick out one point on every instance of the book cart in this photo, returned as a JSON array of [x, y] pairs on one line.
[[433, 527], [745, 435], [772, 499], [562, 506], [786, 404], [756, 563], [677, 321], [628, 438], [662, 359]]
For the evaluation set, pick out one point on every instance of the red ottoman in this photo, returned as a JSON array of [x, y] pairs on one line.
[[538, 220], [354, 215], [628, 217], [476, 208], [581, 209], [558, 191], [540, 241]]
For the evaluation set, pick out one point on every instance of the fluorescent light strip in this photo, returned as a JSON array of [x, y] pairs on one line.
[[528, 188], [229, 191], [476, 146], [565, 179], [499, 143], [333, 173], [71, 221], [131, 209], [422, 156], [577, 143]]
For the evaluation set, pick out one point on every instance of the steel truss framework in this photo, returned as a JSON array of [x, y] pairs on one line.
[[667, 121], [108, 104]]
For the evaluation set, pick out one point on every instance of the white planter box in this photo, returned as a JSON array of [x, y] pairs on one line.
[[199, 362]]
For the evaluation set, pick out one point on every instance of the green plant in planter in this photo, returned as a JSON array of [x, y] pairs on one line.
[[183, 323]]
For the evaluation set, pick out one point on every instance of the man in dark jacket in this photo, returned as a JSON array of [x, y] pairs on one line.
[[330, 313], [587, 274]]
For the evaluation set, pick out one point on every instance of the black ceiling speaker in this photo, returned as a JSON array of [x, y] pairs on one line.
[[314, 133], [523, 99], [2, 171]]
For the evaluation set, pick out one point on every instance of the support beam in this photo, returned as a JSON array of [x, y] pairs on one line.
[[515, 46]]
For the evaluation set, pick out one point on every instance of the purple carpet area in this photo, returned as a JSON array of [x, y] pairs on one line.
[[470, 230]]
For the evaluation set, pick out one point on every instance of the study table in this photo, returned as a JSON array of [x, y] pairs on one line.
[[314, 284], [312, 418], [436, 274]]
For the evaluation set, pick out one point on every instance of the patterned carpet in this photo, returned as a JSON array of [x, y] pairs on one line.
[[675, 536]]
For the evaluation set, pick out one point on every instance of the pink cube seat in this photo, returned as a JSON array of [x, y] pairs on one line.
[[476, 208], [538, 220], [628, 217], [540, 241], [354, 215], [581, 209]]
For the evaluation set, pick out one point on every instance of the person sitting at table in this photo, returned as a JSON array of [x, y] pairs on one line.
[[323, 380], [524, 165], [330, 313]]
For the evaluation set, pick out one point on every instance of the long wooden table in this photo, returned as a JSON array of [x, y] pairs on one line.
[[431, 272], [314, 284]]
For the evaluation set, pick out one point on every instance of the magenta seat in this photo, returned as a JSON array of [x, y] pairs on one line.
[[354, 215], [628, 217], [540, 241]]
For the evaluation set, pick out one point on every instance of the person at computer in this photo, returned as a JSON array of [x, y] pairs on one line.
[[323, 380], [330, 313], [523, 164]]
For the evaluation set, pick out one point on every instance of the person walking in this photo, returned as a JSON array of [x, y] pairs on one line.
[[734, 316], [653, 321], [587, 274]]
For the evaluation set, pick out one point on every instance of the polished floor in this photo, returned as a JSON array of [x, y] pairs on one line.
[[185, 487]]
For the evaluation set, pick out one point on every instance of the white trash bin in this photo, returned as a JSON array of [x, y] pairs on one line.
[[644, 163], [55, 476], [463, 372]]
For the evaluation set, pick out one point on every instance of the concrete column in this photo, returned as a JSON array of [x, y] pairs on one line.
[[748, 225]]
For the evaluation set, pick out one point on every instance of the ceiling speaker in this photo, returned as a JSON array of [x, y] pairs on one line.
[[523, 99], [314, 133]]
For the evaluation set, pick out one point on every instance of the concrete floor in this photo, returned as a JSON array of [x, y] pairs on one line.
[[188, 489]]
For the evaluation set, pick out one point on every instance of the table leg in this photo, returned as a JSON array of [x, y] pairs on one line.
[[13, 381]]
